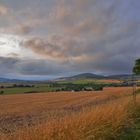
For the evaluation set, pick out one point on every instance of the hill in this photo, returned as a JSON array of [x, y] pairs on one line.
[[5, 80], [86, 76], [95, 76], [10, 80]]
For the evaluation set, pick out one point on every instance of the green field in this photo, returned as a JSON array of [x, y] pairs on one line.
[[18, 90], [39, 86], [64, 85], [79, 81]]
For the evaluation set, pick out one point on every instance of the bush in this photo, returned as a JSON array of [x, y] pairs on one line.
[[28, 92], [98, 88], [1, 92]]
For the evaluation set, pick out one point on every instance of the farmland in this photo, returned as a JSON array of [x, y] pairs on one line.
[[37, 110], [24, 87], [52, 86], [90, 80]]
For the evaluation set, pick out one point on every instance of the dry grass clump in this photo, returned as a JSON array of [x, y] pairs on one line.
[[102, 122]]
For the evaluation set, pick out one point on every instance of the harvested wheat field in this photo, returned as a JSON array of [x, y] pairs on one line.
[[110, 81], [64, 115]]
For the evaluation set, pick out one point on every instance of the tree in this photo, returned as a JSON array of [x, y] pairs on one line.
[[136, 71], [1, 92]]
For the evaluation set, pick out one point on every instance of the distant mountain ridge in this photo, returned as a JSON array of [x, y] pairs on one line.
[[79, 76], [9, 80], [95, 76], [87, 75]]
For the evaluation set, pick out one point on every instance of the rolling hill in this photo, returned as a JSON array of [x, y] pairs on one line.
[[10, 80], [95, 76], [86, 76]]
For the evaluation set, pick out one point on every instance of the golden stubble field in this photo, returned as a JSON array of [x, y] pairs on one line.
[[18, 111], [23, 104]]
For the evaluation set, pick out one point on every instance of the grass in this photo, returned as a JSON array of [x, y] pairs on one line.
[[102, 115], [27, 90], [110, 121], [133, 131], [66, 115], [138, 91], [36, 88], [79, 81]]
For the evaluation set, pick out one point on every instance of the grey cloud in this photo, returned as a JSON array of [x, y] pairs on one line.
[[22, 27], [56, 46], [84, 17], [3, 10], [21, 22], [7, 64], [81, 36], [13, 55], [113, 53], [40, 67], [29, 67]]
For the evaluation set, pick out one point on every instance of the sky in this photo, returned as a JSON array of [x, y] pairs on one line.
[[44, 39]]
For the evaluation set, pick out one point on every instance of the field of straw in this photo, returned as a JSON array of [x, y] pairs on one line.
[[100, 115]]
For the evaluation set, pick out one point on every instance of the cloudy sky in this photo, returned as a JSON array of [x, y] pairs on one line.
[[42, 39]]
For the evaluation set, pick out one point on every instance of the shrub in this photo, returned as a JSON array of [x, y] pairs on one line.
[[1, 92]]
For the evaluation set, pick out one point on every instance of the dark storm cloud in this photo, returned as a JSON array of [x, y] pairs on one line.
[[39, 67], [8, 61], [29, 67]]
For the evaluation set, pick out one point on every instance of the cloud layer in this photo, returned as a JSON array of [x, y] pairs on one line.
[[73, 36]]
